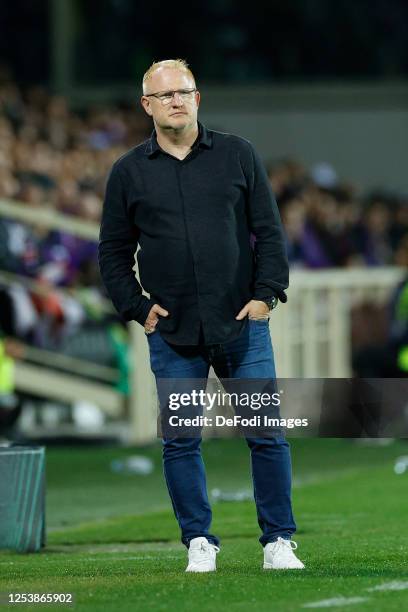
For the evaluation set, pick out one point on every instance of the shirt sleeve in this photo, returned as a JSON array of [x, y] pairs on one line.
[[271, 262], [118, 240]]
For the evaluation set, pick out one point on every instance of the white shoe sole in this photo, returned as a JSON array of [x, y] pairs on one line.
[[269, 566], [200, 570]]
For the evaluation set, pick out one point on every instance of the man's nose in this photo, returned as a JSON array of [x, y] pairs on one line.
[[177, 100]]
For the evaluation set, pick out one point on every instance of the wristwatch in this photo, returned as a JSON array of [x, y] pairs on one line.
[[271, 302]]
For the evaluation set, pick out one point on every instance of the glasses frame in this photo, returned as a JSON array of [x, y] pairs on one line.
[[172, 92]]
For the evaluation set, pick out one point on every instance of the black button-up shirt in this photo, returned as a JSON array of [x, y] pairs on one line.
[[193, 219]]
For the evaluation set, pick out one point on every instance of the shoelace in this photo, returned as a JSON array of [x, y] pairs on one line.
[[207, 547], [288, 543]]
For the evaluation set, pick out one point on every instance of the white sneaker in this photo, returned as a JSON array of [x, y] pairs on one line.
[[280, 555], [201, 555]]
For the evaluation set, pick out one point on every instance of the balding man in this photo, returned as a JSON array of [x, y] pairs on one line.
[[191, 197]]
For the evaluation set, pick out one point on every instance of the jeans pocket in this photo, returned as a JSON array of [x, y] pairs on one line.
[[156, 350], [149, 333], [154, 331]]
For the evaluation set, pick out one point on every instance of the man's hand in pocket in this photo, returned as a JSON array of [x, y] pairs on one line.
[[153, 317], [254, 309]]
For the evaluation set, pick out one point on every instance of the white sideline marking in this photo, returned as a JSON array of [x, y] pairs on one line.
[[113, 558], [335, 601], [395, 585], [138, 558], [104, 558]]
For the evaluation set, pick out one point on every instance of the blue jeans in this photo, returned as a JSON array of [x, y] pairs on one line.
[[249, 356]]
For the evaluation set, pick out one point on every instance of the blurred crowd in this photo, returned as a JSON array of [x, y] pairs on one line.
[[52, 156], [328, 224]]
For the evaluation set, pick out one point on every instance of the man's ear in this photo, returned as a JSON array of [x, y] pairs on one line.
[[198, 98], [145, 102]]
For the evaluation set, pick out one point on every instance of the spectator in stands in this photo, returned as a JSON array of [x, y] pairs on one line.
[[385, 352], [374, 232]]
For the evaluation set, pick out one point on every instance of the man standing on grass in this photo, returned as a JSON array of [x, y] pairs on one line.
[[191, 197]]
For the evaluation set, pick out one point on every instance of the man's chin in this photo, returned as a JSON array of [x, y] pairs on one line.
[[178, 119], [178, 122]]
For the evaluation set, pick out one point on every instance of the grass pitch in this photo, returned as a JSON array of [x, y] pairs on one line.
[[114, 544]]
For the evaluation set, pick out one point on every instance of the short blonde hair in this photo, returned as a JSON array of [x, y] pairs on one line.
[[178, 64]]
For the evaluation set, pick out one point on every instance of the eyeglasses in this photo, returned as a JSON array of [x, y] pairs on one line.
[[166, 97]]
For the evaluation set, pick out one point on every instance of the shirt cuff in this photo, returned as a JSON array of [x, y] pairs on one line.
[[139, 311], [262, 296]]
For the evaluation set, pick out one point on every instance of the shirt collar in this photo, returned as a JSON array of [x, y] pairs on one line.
[[204, 139]]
